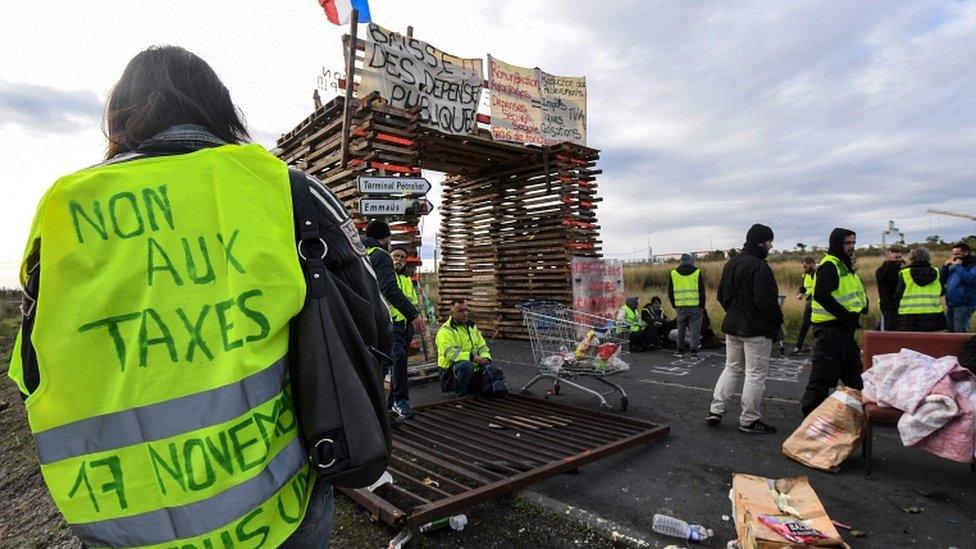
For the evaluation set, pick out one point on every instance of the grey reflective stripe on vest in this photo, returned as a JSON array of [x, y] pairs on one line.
[[160, 420], [198, 518], [921, 301], [847, 298]]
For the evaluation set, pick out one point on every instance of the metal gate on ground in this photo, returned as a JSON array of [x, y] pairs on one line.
[[455, 454]]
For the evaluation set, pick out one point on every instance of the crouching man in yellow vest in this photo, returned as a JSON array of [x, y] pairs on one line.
[[464, 358], [629, 323], [153, 356]]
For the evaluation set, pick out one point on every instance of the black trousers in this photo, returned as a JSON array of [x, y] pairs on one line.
[[889, 319], [399, 384], [804, 325], [836, 357], [641, 340]]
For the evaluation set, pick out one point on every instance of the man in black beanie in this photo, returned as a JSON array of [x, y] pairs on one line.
[[749, 295], [377, 242], [839, 300]]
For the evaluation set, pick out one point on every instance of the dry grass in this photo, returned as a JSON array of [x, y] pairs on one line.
[[646, 281]]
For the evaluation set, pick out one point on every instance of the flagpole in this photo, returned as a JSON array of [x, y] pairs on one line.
[[350, 73]]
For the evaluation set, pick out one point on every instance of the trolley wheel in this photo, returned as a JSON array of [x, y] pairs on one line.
[[525, 392], [606, 407], [623, 404], [555, 389]]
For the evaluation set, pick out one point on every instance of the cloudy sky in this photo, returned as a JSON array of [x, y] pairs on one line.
[[710, 116]]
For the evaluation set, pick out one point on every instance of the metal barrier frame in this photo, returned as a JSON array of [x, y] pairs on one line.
[[491, 447]]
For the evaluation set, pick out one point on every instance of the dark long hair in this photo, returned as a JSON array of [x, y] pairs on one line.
[[164, 86]]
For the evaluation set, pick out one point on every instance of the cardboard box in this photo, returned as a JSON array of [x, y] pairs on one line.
[[752, 496]]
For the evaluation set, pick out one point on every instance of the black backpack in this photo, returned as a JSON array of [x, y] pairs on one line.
[[492, 381], [336, 367]]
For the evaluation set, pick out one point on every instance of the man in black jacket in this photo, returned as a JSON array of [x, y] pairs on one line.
[[377, 242], [887, 277], [749, 295], [838, 303]]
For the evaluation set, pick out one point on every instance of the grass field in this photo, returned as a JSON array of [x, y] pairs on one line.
[[648, 280]]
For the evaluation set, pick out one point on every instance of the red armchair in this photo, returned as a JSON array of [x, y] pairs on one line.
[[879, 343]]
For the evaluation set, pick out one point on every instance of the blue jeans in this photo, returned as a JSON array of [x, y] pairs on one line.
[[316, 527], [457, 378], [960, 317]]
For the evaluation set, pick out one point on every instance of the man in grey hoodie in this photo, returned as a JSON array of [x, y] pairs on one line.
[[686, 291]]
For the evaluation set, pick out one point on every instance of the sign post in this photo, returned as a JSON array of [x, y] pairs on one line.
[[402, 186], [375, 207]]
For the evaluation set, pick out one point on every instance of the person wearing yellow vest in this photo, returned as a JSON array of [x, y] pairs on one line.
[[629, 323], [805, 293], [918, 295], [839, 300], [463, 355], [686, 290], [153, 357], [402, 311]]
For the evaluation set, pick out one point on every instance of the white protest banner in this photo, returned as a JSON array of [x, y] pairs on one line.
[[598, 286], [515, 102], [563, 108], [408, 73]]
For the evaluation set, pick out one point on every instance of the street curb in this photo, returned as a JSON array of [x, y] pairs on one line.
[[610, 530]]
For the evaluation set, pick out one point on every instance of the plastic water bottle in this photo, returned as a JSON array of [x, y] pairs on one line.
[[670, 526], [457, 523]]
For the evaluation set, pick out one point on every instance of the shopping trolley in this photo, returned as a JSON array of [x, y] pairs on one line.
[[568, 345]]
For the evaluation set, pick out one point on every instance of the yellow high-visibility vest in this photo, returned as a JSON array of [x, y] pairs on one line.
[[395, 313], [163, 417], [686, 292], [631, 321], [809, 281], [457, 342], [849, 293], [920, 300], [406, 286]]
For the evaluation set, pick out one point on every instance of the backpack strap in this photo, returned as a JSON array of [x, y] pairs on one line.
[[312, 248]]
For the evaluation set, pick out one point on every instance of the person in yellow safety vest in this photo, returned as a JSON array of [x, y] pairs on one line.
[[403, 312], [462, 353], [919, 295], [805, 292], [405, 283], [686, 290], [839, 300], [156, 389], [629, 323]]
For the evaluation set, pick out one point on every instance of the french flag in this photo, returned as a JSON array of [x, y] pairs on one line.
[[339, 11]]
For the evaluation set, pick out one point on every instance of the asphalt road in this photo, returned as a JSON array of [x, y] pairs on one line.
[[688, 474]]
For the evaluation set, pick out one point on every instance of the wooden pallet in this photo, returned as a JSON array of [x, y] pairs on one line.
[[512, 216]]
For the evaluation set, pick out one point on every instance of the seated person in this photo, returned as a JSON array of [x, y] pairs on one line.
[[463, 355], [709, 340], [629, 322], [658, 325]]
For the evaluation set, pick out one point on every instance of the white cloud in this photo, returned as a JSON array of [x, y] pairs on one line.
[[802, 115]]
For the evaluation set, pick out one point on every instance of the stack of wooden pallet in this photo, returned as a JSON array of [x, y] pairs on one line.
[[382, 141], [508, 234], [512, 216]]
